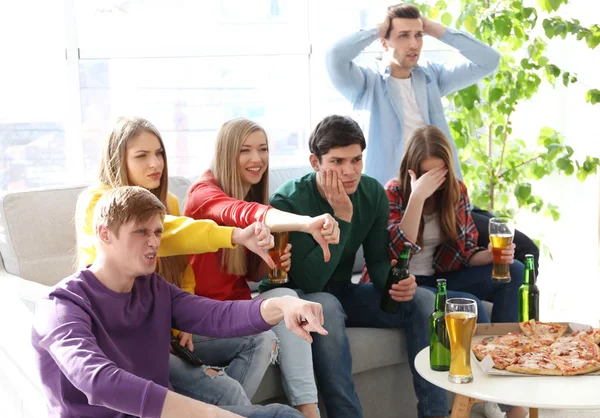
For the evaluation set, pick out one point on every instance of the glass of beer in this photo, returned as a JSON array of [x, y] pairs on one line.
[[278, 275], [502, 231], [461, 316]]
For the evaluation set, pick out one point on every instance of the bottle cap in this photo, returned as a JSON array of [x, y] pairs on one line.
[[441, 281]]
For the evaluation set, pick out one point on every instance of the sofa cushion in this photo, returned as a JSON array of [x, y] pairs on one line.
[[37, 233], [179, 186], [278, 176]]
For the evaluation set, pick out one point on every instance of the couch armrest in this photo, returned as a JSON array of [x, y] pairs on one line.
[[17, 304]]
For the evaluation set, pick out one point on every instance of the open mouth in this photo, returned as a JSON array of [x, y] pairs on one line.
[[254, 170], [151, 256]]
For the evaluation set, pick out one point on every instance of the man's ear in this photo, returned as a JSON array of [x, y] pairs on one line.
[[314, 162], [384, 44], [103, 233]]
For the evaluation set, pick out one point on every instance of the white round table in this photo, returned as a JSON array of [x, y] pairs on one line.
[[550, 392]]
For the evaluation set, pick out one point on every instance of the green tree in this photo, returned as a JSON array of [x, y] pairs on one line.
[[496, 165]]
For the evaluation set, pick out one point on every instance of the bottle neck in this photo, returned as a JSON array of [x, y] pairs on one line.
[[440, 301], [529, 277]]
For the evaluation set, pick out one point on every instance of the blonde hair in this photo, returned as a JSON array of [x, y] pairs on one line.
[[226, 171], [113, 173], [430, 142]]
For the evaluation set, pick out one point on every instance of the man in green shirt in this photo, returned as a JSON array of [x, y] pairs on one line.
[[361, 207]]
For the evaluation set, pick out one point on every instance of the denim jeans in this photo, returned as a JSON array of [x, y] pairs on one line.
[[332, 360], [267, 411], [245, 358], [477, 280], [295, 359], [194, 382]]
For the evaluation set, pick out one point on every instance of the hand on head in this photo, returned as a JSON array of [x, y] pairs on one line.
[[426, 185], [336, 195]]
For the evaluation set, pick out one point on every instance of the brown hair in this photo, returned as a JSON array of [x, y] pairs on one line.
[[113, 173], [430, 142], [402, 11], [335, 131], [226, 171], [123, 204]]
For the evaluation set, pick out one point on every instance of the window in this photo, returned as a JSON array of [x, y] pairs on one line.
[[32, 109]]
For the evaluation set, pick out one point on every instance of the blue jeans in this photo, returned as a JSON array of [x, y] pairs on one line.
[[478, 281], [245, 358], [267, 411], [357, 305], [295, 359]]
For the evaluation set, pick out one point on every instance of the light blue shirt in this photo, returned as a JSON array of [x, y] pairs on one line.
[[368, 90]]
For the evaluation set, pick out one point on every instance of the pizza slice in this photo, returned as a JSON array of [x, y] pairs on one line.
[[572, 347], [535, 363], [592, 334], [502, 355], [544, 332], [571, 366]]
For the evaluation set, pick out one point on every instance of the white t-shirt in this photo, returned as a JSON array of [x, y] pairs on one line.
[[402, 92], [421, 264]]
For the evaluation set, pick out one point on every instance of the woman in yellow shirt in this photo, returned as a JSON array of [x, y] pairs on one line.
[[134, 155]]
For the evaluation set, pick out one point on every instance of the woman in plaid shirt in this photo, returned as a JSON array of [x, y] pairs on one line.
[[429, 207]]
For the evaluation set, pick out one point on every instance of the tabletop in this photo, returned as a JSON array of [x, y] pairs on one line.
[[550, 392]]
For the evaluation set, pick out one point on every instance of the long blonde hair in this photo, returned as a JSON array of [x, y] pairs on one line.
[[113, 173], [225, 168], [430, 142]]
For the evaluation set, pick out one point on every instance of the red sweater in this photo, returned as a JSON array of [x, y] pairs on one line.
[[206, 200]]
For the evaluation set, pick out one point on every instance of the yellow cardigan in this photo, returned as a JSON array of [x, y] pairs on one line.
[[181, 236]]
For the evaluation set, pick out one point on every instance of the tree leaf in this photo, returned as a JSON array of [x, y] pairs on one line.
[[593, 96], [496, 94], [470, 24], [446, 19], [523, 191], [503, 25]]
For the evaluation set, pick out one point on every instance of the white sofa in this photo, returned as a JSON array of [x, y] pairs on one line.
[[37, 240]]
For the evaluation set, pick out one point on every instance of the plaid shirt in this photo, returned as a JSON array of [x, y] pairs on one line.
[[452, 255]]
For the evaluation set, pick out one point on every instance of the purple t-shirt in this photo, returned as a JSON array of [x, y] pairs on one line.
[[106, 354]]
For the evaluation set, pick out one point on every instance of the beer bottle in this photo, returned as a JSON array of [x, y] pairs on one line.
[[529, 294], [397, 273], [439, 343]]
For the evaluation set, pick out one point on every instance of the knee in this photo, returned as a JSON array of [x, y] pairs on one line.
[[517, 271], [279, 292], [424, 300], [333, 311], [231, 391], [281, 411], [266, 343]]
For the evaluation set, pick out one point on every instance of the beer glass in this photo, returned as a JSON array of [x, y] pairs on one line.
[[278, 275], [502, 231], [461, 316]]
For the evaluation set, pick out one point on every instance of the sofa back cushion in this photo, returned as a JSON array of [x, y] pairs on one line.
[[37, 233]]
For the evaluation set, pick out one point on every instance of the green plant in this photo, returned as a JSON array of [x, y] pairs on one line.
[[498, 168]]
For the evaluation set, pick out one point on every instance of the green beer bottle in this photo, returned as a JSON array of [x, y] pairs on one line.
[[439, 343], [397, 273], [529, 294]]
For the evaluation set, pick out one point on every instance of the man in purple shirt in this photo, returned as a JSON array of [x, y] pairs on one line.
[[102, 335]]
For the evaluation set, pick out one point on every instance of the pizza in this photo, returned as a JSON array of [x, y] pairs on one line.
[[544, 332], [535, 363], [592, 334], [543, 349]]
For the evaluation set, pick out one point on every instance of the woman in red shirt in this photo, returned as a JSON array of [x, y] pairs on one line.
[[235, 192]]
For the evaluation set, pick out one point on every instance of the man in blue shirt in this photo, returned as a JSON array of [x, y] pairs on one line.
[[409, 95]]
